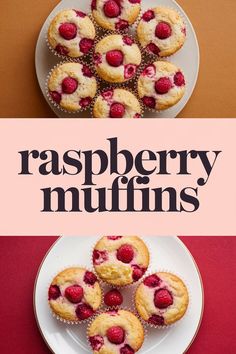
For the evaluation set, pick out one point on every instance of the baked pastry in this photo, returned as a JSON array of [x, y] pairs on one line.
[[72, 86], [75, 294], [116, 103], [161, 85], [71, 33], [161, 31], [117, 58], [120, 260], [162, 299], [115, 14], [116, 332]]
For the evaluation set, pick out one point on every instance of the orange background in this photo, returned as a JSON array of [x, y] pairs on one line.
[[214, 22]]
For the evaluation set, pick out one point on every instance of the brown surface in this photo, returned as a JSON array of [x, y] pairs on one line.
[[214, 21]]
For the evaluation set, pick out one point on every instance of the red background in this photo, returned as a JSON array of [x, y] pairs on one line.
[[21, 257]]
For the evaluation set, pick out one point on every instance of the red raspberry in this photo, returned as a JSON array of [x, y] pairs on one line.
[[90, 278], [54, 292], [112, 9], [62, 50], [68, 31], [127, 40], [85, 45], [153, 48], [86, 71], [56, 96], [137, 272], [99, 257], [117, 110], [127, 350], [74, 293], [130, 71], [179, 79], [113, 298], [157, 320], [69, 85], [149, 71], [80, 13], [94, 5], [163, 85], [96, 342], [114, 238], [163, 299], [163, 30], [116, 335], [152, 281], [107, 95], [84, 311], [135, 1], [149, 101], [85, 102], [148, 15], [125, 253], [122, 25], [115, 58]]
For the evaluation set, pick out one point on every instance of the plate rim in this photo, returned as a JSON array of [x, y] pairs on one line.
[[175, 237]]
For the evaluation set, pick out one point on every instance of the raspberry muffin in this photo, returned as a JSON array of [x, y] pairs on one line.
[[120, 260], [117, 58], [116, 103], [116, 332], [71, 33], [161, 31], [161, 85], [162, 299], [115, 15], [72, 86], [75, 294]]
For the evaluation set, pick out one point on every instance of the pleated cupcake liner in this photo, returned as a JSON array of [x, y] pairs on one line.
[[58, 317]]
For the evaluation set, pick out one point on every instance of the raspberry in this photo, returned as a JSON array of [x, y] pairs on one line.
[[113, 298], [74, 293], [163, 299], [152, 281], [99, 257], [127, 350], [135, 1], [80, 13], [117, 110], [96, 342], [115, 58], [54, 292], [122, 25], [130, 71], [86, 71], [68, 31], [84, 311], [149, 101], [69, 85], [97, 58], [116, 335], [90, 278], [163, 85], [85, 45], [148, 15], [179, 79], [127, 40], [125, 253], [163, 30], [107, 95], [137, 115], [94, 5], [85, 102], [114, 238], [62, 50], [56, 96], [149, 71], [153, 48], [157, 320], [137, 272], [111, 9]]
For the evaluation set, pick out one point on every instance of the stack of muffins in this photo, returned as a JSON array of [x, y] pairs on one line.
[[109, 71], [75, 295]]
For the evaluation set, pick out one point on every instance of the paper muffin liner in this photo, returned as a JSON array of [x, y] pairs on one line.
[[53, 103], [150, 325], [61, 319], [120, 287]]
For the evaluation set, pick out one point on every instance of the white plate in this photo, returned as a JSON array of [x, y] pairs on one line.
[[167, 253], [187, 58]]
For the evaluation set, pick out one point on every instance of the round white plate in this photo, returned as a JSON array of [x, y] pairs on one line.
[[187, 58], [168, 253]]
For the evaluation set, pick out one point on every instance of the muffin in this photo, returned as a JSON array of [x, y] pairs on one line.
[[72, 86], [161, 85], [117, 58], [120, 260], [116, 103], [71, 33], [161, 31], [116, 332], [115, 15], [162, 299], [75, 294]]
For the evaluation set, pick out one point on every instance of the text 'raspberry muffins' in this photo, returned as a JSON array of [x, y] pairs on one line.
[[116, 103], [120, 260], [72, 86], [161, 85], [116, 332], [75, 294], [71, 33], [117, 58], [162, 299], [115, 14], [161, 31]]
